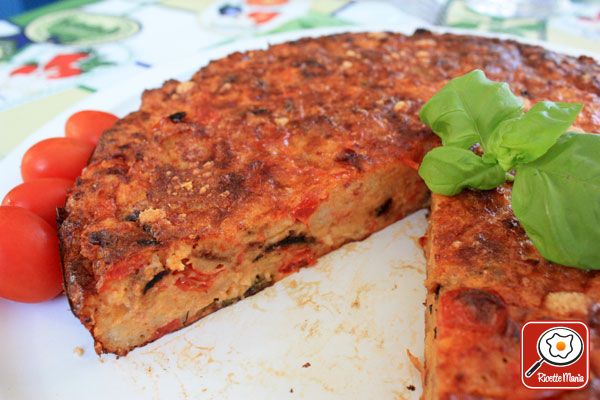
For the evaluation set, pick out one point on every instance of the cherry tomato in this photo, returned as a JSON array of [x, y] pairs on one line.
[[40, 196], [89, 125], [56, 158], [29, 258]]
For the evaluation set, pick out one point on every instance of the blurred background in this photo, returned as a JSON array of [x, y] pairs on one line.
[[54, 54], [9, 8]]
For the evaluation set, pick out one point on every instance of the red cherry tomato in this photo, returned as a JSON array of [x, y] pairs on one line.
[[89, 125], [29, 258], [56, 158], [40, 196]]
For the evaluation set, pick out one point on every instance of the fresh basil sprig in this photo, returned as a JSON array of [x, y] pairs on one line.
[[531, 135], [462, 117], [557, 201], [556, 191], [449, 170]]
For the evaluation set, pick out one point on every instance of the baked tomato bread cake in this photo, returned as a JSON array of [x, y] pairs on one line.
[[265, 160], [485, 280], [219, 186]]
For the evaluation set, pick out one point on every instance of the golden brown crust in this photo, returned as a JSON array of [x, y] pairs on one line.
[[265, 135], [485, 278], [485, 281], [259, 136]]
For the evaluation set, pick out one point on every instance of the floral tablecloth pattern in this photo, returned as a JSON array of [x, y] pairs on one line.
[[53, 57]]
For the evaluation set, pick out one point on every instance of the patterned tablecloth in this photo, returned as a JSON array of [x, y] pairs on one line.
[[53, 57]]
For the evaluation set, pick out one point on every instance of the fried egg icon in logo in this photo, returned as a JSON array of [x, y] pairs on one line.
[[560, 346]]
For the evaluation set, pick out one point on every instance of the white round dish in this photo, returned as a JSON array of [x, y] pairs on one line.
[[339, 330]]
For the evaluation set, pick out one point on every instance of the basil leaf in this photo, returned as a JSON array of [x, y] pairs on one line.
[[448, 170], [468, 109], [528, 137], [557, 200]]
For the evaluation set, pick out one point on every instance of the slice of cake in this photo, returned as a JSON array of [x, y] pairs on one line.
[[485, 280], [219, 186]]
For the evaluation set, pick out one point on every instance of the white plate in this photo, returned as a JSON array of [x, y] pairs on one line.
[[339, 330]]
